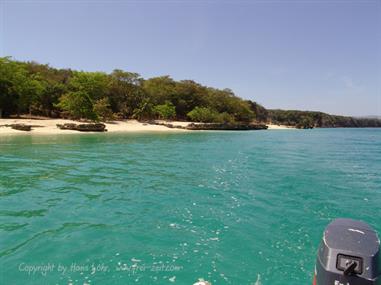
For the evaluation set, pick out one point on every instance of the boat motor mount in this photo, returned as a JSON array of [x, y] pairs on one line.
[[349, 254]]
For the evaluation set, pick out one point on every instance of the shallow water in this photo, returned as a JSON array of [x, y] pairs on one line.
[[172, 208]]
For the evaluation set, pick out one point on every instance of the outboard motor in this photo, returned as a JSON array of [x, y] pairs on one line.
[[349, 254]]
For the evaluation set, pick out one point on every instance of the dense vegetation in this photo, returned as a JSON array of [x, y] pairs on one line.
[[308, 119], [28, 87], [38, 89]]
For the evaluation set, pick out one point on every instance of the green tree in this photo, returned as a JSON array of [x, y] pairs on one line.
[[305, 122], [8, 95], [159, 89], [125, 92], [260, 112], [144, 111], [55, 85], [102, 109], [225, 118], [95, 84], [188, 95], [165, 111], [77, 105], [207, 115], [226, 101], [29, 90]]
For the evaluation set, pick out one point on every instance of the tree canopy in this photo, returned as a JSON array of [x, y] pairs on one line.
[[29, 87]]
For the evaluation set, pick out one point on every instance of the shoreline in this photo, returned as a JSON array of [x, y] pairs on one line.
[[49, 126], [279, 127]]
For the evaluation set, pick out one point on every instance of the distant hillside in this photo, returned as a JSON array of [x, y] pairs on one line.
[[369, 117], [309, 119]]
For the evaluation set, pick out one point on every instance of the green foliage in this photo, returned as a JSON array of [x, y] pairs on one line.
[[305, 123], [128, 94], [144, 111], [31, 97], [261, 114], [307, 119], [102, 109], [226, 101], [77, 105], [165, 111], [200, 114], [207, 115], [159, 89], [8, 98], [55, 85], [225, 118], [188, 95], [95, 84], [125, 92], [19, 91]]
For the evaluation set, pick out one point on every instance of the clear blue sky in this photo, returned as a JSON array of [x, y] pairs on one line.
[[310, 55]]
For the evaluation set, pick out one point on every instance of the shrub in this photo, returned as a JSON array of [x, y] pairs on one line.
[[165, 111], [226, 118], [102, 109], [77, 105], [207, 115]]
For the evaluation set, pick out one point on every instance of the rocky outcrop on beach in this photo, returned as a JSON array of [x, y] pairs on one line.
[[214, 126], [21, 127], [91, 127], [226, 127], [168, 125]]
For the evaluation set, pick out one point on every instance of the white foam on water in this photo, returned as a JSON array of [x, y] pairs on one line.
[[356, 231], [258, 282], [201, 281]]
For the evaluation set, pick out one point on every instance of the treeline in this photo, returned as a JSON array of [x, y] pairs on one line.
[[309, 119], [40, 90], [37, 89]]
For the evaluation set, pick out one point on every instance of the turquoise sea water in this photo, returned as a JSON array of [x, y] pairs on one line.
[[172, 208]]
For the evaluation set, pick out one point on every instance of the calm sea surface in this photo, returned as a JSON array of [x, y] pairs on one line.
[[172, 208]]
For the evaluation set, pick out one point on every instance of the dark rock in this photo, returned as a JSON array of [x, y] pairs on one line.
[[99, 127], [67, 126], [96, 127], [214, 126], [21, 127], [226, 127], [168, 125]]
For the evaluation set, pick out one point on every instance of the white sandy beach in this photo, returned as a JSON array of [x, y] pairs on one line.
[[279, 127], [49, 126]]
